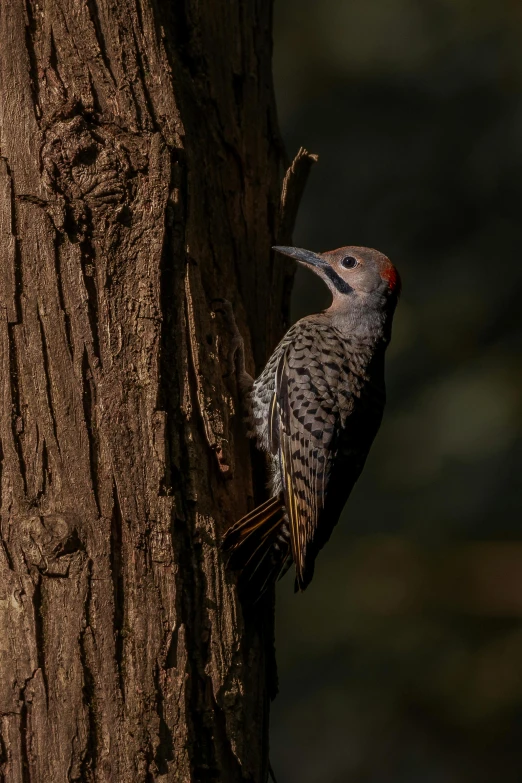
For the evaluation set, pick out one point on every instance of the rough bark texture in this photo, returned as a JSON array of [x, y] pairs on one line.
[[139, 179]]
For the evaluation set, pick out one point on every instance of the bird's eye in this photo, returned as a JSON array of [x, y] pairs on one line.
[[349, 262]]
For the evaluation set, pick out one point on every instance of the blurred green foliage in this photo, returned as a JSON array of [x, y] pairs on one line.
[[402, 663]]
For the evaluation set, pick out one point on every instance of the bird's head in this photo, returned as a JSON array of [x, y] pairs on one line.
[[353, 272]]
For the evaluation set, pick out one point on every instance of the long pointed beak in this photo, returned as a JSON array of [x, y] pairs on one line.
[[303, 256]]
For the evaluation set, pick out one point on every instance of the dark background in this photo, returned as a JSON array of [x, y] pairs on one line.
[[402, 663]]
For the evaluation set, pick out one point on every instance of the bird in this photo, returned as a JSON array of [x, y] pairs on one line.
[[315, 409]]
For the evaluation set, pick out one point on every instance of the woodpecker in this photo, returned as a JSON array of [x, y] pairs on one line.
[[315, 409]]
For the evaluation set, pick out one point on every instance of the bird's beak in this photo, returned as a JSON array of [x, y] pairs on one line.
[[303, 256]]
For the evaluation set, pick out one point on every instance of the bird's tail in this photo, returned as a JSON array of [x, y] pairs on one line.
[[258, 546]]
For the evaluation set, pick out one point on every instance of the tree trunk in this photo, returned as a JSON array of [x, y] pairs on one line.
[[139, 179]]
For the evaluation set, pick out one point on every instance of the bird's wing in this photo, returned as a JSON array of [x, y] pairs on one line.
[[304, 425]]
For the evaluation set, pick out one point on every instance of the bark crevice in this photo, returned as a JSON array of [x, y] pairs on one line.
[[30, 32], [48, 378], [16, 417], [89, 402], [118, 586], [39, 629], [89, 690]]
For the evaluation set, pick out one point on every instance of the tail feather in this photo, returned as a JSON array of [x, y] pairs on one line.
[[256, 548]]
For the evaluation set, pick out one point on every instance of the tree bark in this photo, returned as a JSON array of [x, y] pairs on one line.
[[139, 180]]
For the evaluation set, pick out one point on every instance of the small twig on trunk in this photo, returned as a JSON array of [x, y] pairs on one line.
[[292, 191]]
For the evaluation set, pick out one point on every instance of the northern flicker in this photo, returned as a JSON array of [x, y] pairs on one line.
[[315, 409]]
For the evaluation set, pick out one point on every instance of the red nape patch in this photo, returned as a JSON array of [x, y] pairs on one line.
[[390, 274]]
